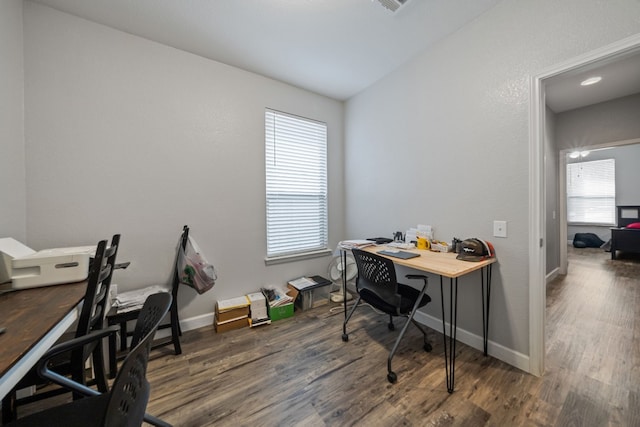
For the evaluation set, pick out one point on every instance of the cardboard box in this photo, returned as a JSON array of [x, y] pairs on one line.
[[231, 324], [234, 313], [233, 308], [231, 314]]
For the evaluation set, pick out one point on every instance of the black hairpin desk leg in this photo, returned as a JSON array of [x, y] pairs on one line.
[[486, 295], [450, 347], [343, 255], [450, 342]]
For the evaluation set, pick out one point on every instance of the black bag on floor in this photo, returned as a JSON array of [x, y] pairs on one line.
[[587, 240]]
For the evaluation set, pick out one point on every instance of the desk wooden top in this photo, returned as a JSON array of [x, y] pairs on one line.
[[440, 263], [29, 314]]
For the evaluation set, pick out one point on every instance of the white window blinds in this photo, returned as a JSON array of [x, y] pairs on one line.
[[591, 192], [296, 181]]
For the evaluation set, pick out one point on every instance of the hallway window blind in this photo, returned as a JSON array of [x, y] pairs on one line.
[[296, 184], [591, 192]]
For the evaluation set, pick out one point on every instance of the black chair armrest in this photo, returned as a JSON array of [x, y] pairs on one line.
[[45, 372]]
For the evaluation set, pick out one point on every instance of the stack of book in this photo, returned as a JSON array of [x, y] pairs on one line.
[[258, 309], [231, 314]]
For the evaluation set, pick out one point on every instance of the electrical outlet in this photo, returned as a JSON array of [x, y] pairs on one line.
[[500, 228]]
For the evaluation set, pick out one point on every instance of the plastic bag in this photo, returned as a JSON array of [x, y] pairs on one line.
[[193, 268]]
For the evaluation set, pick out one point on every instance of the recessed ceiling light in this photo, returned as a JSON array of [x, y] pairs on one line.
[[576, 154], [591, 81]]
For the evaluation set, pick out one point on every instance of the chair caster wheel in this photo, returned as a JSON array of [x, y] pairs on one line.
[[392, 377], [391, 327], [345, 337], [427, 347]]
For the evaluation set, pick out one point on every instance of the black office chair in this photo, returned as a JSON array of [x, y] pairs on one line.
[[126, 403], [121, 319], [92, 315], [377, 285]]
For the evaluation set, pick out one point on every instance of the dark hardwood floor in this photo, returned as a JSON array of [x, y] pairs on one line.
[[298, 372]]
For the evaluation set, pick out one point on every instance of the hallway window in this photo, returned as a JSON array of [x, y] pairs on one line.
[[591, 192], [296, 184]]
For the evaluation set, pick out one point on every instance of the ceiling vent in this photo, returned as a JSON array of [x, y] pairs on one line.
[[393, 5]]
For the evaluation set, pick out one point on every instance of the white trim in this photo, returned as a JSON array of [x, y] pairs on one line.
[[562, 204], [189, 324], [537, 288], [551, 276], [513, 358], [537, 227]]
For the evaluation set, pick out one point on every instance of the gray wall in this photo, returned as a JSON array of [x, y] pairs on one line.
[[131, 136], [610, 121], [444, 140], [607, 122], [12, 164]]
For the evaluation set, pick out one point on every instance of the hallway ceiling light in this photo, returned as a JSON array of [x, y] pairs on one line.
[[590, 81], [576, 154]]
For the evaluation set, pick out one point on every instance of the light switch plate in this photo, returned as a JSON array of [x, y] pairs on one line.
[[500, 228]]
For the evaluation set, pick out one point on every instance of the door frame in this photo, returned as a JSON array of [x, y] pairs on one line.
[[537, 205]]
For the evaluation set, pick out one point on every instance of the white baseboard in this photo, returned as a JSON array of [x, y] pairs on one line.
[[554, 273], [189, 324], [513, 358]]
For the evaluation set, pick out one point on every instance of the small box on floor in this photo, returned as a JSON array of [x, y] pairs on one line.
[[312, 291], [258, 309], [231, 314], [281, 305]]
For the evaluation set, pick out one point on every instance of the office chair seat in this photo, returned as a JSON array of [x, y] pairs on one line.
[[408, 295]]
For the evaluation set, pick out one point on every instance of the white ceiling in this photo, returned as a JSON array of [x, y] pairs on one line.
[[620, 77], [333, 47]]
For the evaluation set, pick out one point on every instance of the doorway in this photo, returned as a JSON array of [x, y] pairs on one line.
[[537, 193]]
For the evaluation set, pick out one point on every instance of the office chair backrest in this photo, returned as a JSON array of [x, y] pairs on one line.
[[377, 276], [130, 390]]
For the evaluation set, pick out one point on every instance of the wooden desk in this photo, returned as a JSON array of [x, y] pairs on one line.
[[446, 265], [34, 319]]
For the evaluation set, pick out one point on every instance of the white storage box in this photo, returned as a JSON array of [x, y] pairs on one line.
[[51, 267]]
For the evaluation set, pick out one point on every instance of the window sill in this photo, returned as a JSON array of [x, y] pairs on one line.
[[296, 257]]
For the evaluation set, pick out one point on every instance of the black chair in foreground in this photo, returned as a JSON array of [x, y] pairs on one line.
[[125, 404], [377, 285], [92, 315]]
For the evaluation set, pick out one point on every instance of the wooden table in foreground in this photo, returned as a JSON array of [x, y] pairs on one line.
[[446, 265], [34, 319]]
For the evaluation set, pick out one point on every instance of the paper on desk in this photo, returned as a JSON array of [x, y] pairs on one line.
[[350, 244]]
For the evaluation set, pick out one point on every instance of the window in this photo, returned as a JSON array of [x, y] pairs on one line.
[[591, 192], [296, 184]]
